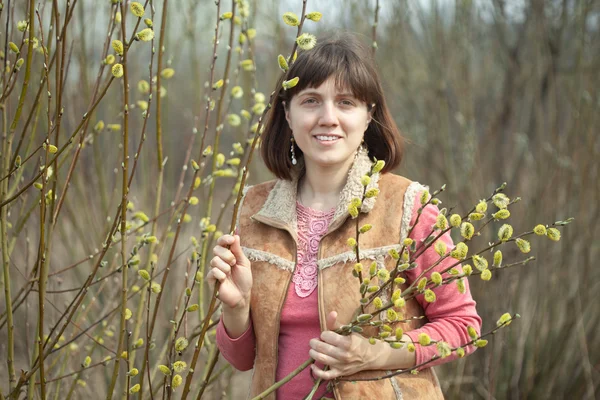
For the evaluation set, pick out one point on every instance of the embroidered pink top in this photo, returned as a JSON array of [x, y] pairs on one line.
[[448, 317]]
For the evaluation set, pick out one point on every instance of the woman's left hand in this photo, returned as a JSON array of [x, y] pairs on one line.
[[345, 355]]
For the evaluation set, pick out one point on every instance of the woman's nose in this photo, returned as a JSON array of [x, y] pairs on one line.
[[328, 114]]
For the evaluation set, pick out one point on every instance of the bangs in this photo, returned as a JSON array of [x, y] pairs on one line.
[[336, 60]]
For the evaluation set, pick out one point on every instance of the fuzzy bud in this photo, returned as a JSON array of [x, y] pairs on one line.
[[378, 303], [283, 64], [383, 275], [291, 19], [353, 211], [436, 278], [460, 285], [181, 344], [460, 251], [137, 9], [117, 70], [467, 230], [399, 303], [391, 315], [424, 197], [472, 332], [177, 381], [394, 254], [501, 200], [441, 222], [164, 369], [145, 35], [424, 339], [429, 296], [371, 193], [440, 248], [144, 274], [540, 230], [314, 16], [365, 228], [455, 220], [523, 245], [553, 234], [422, 283], [378, 166], [247, 65], [481, 207], [306, 41], [117, 46], [497, 259], [179, 366], [351, 242], [505, 232], [476, 216], [501, 214], [486, 275], [290, 83]]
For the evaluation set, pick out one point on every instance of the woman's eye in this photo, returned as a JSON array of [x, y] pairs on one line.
[[309, 101], [347, 103]]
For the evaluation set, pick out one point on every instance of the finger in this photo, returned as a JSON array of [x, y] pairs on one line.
[[217, 262], [326, 375], [322, 358], [225, 240], [225, 254], [332, 323], [335, 339], [217, 274], [327, 349], [236, 249]]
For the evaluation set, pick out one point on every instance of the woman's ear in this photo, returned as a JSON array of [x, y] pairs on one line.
[[287, 114], [370, 113]]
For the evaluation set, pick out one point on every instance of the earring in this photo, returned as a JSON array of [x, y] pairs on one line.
[[294, 161]]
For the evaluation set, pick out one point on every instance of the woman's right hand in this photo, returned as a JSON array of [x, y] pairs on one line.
[[232, 269]]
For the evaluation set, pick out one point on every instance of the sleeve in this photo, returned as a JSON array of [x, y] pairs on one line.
[[239, 352], [452, 312]]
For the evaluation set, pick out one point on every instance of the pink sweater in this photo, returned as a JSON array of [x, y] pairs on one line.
[[448, 317]]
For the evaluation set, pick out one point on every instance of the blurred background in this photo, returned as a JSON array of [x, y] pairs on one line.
[[485, 92]]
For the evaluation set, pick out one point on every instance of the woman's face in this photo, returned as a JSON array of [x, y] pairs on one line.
[[328, 125]]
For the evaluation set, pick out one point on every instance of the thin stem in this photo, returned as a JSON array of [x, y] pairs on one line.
[[285, 380]]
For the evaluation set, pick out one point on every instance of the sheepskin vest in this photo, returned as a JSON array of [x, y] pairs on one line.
[[268, 230]]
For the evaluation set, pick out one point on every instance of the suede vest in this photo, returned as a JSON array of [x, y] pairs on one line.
[[267, 226]]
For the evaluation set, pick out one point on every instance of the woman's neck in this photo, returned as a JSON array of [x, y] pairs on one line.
[[320, 188]]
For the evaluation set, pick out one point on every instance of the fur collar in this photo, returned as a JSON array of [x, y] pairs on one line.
[[280, 206]]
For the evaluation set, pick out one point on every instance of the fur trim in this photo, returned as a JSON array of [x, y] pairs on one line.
[[281, 202], [397, 390], [259, 255], [376, 254], [409, 201]]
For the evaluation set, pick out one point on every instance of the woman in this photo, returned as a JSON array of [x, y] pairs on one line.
[[286, 280]]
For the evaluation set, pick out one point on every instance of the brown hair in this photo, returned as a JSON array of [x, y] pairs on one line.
[[353, 66]]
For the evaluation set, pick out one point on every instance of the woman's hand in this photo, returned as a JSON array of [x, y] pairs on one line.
[[232, 269], [345, 355]]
